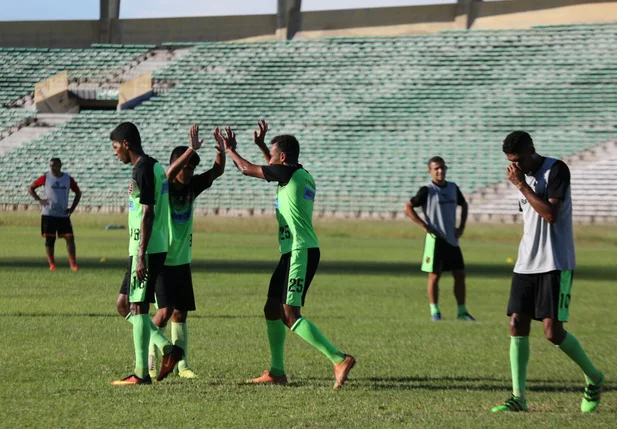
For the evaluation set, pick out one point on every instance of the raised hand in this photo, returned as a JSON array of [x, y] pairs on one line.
[[229, 139], [260, 137], [220, 140], [196, 142]]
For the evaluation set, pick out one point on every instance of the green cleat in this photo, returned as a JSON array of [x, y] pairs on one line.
[[591, 397], [513, 404], [187, 373]]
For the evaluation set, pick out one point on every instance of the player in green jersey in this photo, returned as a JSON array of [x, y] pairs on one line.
[[148, 245], [174, 288], [299, 249]]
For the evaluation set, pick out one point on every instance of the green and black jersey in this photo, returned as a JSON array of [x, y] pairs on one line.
[[295, 196], [149, 187], [181, 202]]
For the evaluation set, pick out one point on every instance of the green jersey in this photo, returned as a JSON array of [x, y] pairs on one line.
[[295, 196], [181, 203], [149, 187]]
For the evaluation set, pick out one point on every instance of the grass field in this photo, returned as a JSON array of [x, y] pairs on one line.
[[62, 341]]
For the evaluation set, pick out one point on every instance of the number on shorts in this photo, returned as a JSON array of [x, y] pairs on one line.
[[296, 285], [564, 300]]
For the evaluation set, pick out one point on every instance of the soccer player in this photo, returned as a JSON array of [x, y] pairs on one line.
[[439, 200], [542, 281], [299, 249], [56, 213], [174, 288], [148, 245]]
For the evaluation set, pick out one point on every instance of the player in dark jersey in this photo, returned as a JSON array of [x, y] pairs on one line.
[[542, 281], [56, 213], [174, 288], [299, 249], [148, 245], [442, 252]]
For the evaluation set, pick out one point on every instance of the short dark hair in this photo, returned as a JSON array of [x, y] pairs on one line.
[[288, 145], [127, 131], [517, 141], [56, 160], [177, 153], [436, 160]]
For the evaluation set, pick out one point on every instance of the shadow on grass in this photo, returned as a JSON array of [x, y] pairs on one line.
[[455, 383], [328, 267]]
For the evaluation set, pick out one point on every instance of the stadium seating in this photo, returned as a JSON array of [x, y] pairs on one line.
[[368, 112]]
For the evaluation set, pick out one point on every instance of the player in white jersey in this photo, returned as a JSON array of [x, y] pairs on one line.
[[56, 212], [542, 281], [439, 200]]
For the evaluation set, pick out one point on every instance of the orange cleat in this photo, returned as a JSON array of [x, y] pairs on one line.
[[132, 380], [341, 371], [169, 361], [52, 267], [267, 378], [74, 268]]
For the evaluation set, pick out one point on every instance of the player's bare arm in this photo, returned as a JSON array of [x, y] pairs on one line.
[[411, 213], [549, 210], [464, 212], [195, 145], [76, 200], [243, 165], [32, 191], [147, 221], [260, 139], [204, 181]]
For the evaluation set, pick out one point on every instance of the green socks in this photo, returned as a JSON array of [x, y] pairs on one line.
[[153, 346], [141, 339], [277, 331], [573, 349], [158, 338], [312, 335], [462, 310], [180, 338], [519, 358], [434, 309]]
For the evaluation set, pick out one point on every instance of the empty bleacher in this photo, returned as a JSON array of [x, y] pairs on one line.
[[368, 112]]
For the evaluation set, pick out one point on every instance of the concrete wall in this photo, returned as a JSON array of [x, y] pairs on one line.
[[49, 34], [529, 13], [200, 29], [339, 23], [378, 22]]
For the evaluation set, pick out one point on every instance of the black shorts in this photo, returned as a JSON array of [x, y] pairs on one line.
[[293, 276], [439, 256], [52, 226], [541, 296], [139, 291], [174, 288]]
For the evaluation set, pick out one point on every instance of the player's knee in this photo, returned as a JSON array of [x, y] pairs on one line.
[[165, 313], [519, 326], [139, 308], [272, 310], [433, 278], [554, 333], [179, 316], [292, 315], [50, 241], [458, 275], [70, 240], [122, 305]]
